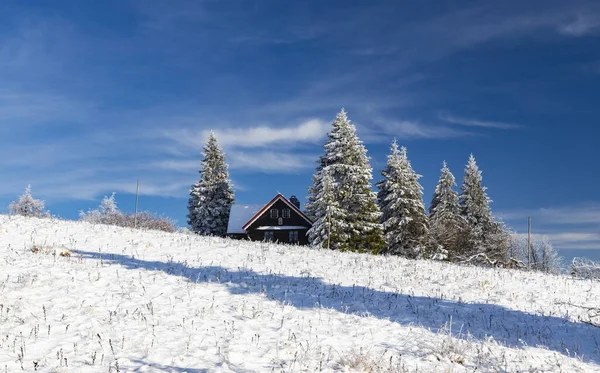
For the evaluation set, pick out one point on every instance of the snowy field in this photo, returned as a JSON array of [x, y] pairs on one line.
[[133, 301]]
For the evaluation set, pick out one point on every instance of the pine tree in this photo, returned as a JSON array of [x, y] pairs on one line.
[[348, 166], [329, 225], [485, 235], [447, 227], [211, 197], [400, 199]]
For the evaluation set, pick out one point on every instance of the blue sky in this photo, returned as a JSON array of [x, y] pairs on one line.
[[96, 94]]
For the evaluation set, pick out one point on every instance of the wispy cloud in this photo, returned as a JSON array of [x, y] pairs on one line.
[[254, 137], [381, 130], [567, 227], [582, 25], [570, 215], [477, 123]]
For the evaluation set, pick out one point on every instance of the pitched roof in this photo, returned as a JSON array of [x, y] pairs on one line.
[[278, 197], [239, 215]]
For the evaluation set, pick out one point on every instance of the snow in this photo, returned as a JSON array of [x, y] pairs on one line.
[[280, 227], [239, 215], [97, 298]]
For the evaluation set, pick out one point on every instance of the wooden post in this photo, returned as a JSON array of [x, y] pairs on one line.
[[529, 242], [137, 192]]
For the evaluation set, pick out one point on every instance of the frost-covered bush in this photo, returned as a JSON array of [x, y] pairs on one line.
[[542, 256], [26, 205], [108, 213], [585, 268]]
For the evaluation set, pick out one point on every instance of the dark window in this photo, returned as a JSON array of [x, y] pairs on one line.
[[285, 213], [280, 221], [269, 236], [274, 213], [293, 236]]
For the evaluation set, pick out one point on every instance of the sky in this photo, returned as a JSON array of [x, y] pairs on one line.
[[94, 95]]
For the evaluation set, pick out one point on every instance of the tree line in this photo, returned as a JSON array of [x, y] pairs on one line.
[[349, 216]]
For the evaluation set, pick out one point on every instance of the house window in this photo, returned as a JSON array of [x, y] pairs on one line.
[[269, 236], [285, 213], [280, 221], [274, 213], [293, 236]]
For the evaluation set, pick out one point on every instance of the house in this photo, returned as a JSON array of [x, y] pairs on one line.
[[280, 220]]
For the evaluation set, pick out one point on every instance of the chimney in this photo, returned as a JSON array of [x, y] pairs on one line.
[[295, 202]]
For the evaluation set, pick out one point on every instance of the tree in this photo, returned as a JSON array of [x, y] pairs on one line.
[[211, 197], [400, 198], [26, 205], [447, 228], [347, 164], [108, 206], [329, 225], [485, 236], [541, 256]]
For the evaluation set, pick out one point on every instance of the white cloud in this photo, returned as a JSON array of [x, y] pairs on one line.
[[582, 25], [267, 161], [477, 123], [310, 131], [566, 215]]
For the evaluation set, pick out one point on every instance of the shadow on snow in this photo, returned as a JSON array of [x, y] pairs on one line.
[[511, 328]]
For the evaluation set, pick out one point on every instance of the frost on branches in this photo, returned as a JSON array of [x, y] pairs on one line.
[[211, 197], [485, 236], [400, 197], [541, 256], [347, 164], [26, 205], [447, 228], [330, 221]]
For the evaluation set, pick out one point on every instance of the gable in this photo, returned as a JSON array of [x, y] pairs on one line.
[[263, 218]]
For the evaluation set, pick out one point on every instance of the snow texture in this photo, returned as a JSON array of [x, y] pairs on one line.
[[97, 298], [240, 215]]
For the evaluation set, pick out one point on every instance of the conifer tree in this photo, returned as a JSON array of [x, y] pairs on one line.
[[329, 225], [400, 199], [447, 227], [211, 197], [346, 159], [485, 234]]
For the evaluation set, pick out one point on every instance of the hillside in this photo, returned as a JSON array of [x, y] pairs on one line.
[[133, 301]]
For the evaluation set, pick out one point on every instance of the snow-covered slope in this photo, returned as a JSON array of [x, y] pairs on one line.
[[129, 300]]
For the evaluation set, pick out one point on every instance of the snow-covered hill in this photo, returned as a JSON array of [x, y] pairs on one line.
[[133, 301]]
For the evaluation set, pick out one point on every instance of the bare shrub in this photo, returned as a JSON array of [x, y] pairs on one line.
[[26, 205], [585, 268], [109, 214]]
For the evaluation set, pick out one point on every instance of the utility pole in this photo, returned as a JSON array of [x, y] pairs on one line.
[[529, 242], [137, 192]]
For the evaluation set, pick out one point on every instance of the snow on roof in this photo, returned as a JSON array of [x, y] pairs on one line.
[[280, 227], [239, 215]]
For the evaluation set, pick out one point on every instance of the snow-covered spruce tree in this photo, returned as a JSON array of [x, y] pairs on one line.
[[448, 230], [211, 197], [485, 236], [400, 198], [347, 164], [26, 205], [329, 225]]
